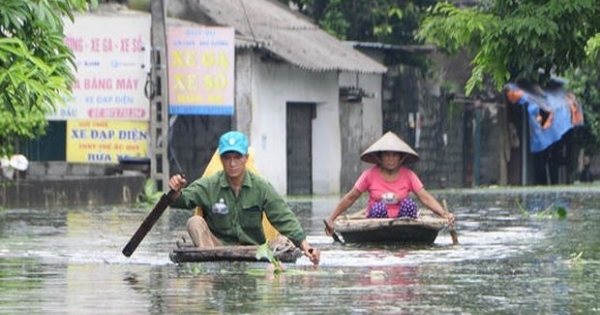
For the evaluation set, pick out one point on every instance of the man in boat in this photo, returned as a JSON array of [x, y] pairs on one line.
[[389, 184], [233, 201]]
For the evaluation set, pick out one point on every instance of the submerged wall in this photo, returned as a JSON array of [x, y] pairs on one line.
[[53, 184]]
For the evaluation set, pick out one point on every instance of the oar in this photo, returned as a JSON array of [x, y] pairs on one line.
[[450, 227], [336, 238], [148, 223]]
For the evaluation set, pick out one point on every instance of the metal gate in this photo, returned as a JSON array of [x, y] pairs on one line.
[[299, 148]]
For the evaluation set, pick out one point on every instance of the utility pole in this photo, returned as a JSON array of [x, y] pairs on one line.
[[159, 101]]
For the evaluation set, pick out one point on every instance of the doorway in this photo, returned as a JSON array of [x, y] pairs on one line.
[[299, 118]]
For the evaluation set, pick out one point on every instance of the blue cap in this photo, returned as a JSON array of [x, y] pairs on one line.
[[233, 141]]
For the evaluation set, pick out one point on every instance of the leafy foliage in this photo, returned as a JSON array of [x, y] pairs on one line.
[[264, 251], [585, 83], [35, 65], [150, 196], [593, 47], [20, 123], [576, 257], [386, 21], [514, 40], [552, 212]]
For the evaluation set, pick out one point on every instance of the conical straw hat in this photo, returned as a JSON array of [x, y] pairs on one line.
[[389, 142]]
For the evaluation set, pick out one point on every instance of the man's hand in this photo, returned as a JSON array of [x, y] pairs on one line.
[[177, 182], [311, 252]]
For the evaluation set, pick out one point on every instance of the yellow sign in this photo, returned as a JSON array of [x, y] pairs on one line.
[[201, 70], [106, 141]]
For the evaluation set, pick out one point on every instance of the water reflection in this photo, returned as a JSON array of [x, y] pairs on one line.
[[69, 261]]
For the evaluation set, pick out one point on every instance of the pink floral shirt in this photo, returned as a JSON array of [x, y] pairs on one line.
[[388, 192]]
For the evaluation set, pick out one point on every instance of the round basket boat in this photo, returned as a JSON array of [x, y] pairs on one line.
[[423, 230]]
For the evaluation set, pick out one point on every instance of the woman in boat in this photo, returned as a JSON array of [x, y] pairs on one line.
[[389, 184], [233, 201]]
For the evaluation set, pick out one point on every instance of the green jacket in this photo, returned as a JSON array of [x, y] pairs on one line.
[[242, 224]]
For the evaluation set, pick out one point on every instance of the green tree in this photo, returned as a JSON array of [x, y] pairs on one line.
[[35, 65], [388, 21], [593, 47], [384, 21], [513, 40], [585, 83]]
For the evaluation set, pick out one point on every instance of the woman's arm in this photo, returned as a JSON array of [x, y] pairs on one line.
[[347, 201], [430, 202]]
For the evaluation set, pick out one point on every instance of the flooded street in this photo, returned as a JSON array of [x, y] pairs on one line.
[[510, 260]]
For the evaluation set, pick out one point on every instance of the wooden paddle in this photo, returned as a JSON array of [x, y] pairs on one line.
[[149, 222], [336, 238], [450, 227]]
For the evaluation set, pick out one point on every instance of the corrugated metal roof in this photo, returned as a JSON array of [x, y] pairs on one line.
[[240, 40], [285, 33]]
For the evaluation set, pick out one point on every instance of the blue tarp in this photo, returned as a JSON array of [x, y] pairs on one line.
[[551, 113]]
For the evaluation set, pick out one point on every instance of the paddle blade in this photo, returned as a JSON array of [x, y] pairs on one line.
[[453, 234], [336, 237], [148, 223]]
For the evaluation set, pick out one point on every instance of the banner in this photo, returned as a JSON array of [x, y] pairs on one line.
[[106, 141], [201, 70], [112, 55]]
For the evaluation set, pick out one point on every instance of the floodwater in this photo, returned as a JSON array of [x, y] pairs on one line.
[[510, 260]]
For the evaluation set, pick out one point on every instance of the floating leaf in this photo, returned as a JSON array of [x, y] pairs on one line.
[[562, 212], [264, 251], [576, 257]]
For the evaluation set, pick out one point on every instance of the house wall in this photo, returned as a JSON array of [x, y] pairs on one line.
[[263, 88], [360, 123], [476, 154]]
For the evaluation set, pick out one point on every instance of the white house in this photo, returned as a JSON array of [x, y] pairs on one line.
[[302, 96]]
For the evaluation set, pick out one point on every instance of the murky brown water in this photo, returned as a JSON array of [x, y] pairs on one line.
[[69, 261]]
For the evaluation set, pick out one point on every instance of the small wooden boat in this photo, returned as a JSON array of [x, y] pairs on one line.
[[358, 229], [189, 253], [186, 252]]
